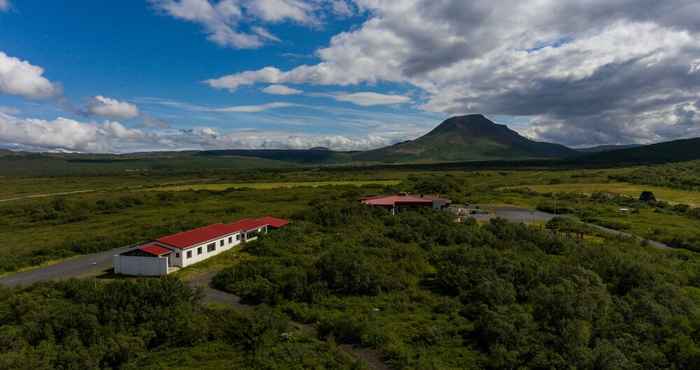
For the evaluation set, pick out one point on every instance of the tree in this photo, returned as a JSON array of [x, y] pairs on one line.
[[647, 197]]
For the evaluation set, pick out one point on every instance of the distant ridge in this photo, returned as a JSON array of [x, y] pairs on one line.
[[467, 138], [606, 148], [304, 156], [669, 151]]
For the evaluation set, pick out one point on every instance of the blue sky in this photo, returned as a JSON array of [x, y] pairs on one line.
[[138, 54], [348, 74]]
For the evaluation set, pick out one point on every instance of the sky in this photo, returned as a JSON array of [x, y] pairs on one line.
[[86, 76]]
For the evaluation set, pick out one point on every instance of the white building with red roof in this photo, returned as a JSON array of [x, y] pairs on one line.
[[171, 252], [396, 203]]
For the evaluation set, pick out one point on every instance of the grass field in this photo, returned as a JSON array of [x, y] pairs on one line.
[[274, 185], [670, 195]]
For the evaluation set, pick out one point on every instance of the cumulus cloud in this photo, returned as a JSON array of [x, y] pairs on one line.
[[19, 77], [281, 90], [231, 23], [113, 137], [112, 108], [64, 133], [608, 71]]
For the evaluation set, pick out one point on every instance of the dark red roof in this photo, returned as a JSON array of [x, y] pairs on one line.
[[274, 222], [200, 235], [248, 224], [154, 249], [187, 239]]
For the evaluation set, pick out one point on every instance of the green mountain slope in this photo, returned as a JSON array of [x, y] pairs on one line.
[[670, 151], [466, 138]]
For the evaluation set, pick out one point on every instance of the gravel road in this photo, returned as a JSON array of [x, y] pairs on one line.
[[81, 266]]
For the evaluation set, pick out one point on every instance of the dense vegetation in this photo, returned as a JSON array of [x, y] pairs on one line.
[[685, 175], [431, 293], [156, 323]]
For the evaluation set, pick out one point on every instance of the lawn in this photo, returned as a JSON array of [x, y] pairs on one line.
[[691, 198]]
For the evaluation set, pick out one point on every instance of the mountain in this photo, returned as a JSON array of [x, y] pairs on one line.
[[606, 148], [467, 138], [669, 151]]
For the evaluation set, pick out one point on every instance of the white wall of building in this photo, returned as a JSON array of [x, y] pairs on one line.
[[192, 255], [155, 266], [140, 266]]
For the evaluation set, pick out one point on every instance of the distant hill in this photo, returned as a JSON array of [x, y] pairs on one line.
[[670, 151], [302, 156], [606, 148], [466, 138]]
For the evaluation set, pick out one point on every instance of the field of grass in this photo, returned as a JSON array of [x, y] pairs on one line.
[[691, 198], [274, 185]]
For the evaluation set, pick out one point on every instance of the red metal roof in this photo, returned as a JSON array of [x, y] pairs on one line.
[[199, 235], [188, 239], [154, 249], [248, 224], [274, 222]]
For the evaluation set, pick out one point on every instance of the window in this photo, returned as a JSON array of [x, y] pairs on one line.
[[221, 243], [177, 255], [199, 251], [230, 239], [238, 236], [211, 247], [189, 254]]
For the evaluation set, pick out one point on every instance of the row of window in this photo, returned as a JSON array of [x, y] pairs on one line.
[[211, 247]]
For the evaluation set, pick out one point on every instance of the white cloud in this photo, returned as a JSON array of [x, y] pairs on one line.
[[367, 99], [281, 90], [8, 110], [112, 108], [18, 77], [559, 61], [222, 20], [232, 82], [230, 109], [279, 10], [4, 5], [63, 133], [113, 137], [341, 8]]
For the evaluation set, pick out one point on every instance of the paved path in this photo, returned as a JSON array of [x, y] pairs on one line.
[[513, 214], [520, 214], [652, 243], [82, 266]]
